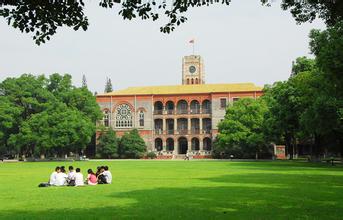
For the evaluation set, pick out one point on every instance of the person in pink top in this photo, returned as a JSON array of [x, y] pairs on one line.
[[91, 178]]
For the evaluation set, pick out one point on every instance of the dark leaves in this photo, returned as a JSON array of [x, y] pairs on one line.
[[42, 18]]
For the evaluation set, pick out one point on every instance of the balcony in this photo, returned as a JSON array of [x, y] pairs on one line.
[[207, 131], [158, 112], [170, 111], [170, 131], [182, 111], [206, 111], [183, 131], [195, 131], [195, 111], [158, 131]]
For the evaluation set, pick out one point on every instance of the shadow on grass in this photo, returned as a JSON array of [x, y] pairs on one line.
[[282, 165], [248, 196]]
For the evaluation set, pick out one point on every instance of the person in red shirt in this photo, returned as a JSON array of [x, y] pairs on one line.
[[91, 178]]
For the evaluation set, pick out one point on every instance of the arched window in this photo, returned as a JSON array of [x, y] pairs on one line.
[[182, 107], [106, 118], [141, 118], [158, 144], [192, 81], [207, 144], [123, 116], [158, 108], [170, 144], [195, 144], [206, 107]]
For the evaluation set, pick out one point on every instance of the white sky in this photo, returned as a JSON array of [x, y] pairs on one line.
[[243, 42]]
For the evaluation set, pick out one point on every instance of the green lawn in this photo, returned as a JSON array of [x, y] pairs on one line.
[[177, 190]]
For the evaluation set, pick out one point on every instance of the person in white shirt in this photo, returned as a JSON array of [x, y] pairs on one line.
[[53, 176], [61, 179], [71, 176], [78, 178], [108, 175]]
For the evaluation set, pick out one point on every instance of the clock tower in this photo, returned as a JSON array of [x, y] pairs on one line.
[[193, 70]]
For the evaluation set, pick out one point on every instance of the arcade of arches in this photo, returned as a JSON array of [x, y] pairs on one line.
[[182, 145], [189, 121]]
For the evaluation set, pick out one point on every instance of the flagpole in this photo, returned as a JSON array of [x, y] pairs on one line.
[[192, 42], [193, 47]]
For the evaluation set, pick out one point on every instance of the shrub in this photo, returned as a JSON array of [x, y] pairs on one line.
[[108, 144], [151, 155], [132, 145]]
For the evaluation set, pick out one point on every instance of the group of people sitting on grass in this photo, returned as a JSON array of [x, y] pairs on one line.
[[75, 178]]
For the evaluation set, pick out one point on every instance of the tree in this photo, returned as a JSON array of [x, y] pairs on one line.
[[107, 145], [59, 130], [40, 115], [304, 109], [42, 18], [302, 64], [315, 119], [241, 131], [108, 85], [306, 11], [83, 100], [58, 84], [84, 81], [282, 120], [131, 145], [327, 46], [8, 124]]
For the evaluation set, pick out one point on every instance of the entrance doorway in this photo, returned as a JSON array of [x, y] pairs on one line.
[[183, 145]]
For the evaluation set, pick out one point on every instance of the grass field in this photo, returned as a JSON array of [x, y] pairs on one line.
[[177, 190]]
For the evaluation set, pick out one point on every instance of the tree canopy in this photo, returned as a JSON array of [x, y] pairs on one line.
[[241, 131], [304, 110], [107, 146], [42, 115], [42, 18], [132, 145]]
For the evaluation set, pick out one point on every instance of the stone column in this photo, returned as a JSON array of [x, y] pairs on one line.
[[189, 125], [175, 125], [164, 126], [176, 146], [189, 145], [164, 145], [201, 146], [200, 126]]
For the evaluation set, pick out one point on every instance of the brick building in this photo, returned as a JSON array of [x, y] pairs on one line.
[[174, 119]]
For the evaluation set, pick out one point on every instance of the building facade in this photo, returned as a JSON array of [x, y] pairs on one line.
[[174, 120]]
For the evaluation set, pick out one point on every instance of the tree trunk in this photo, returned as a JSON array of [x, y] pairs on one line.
[[289, 147], [316, 151]]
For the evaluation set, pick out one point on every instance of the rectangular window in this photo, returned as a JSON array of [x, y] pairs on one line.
[[223, 103], [235, 99]]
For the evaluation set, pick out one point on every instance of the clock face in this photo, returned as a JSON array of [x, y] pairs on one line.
[[192, 69]]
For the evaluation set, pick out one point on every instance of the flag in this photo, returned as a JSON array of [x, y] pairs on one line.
[[191, 41]]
